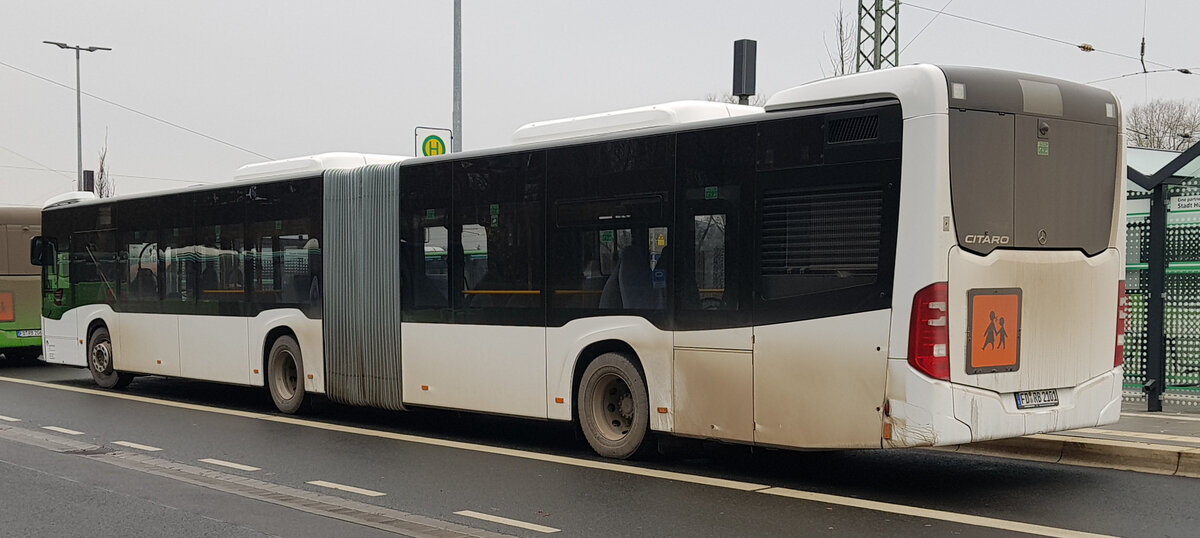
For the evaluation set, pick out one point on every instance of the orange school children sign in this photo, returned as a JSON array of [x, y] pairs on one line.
[[994, 330]]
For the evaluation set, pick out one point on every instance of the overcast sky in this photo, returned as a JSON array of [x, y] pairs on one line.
[[288, 78]]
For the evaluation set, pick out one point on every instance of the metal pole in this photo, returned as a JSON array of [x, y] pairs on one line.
[[78, 127], [456, 136], [1156, 356]]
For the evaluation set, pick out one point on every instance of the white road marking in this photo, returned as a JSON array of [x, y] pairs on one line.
[[351, 489], [1161, 415], [978, 521], [510, 522], [61, 430], [131, 444], [231, 464], [9, 419], [549, 458]]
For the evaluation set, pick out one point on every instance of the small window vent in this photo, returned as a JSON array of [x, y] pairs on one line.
[[854, 129]]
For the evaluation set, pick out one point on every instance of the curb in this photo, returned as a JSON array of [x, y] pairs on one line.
[[1090, 452]]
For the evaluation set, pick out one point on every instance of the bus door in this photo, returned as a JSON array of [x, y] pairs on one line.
[[712, 360]]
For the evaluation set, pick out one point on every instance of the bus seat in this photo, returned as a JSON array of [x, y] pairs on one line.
[[610, 296], [634, 282]]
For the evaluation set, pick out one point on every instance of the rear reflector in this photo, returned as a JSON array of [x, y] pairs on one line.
[[1123, 308], [928, 334]]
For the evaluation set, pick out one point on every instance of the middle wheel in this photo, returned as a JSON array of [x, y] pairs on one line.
[[613, 406]]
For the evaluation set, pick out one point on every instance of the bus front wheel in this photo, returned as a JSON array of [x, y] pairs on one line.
[[614, 407], [100, 361], [285, 375]]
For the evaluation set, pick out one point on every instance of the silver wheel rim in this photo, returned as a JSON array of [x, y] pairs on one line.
[[613, 410], [101, 357], [286, 376]]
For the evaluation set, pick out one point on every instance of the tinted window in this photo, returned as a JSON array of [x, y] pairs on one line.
[[220, 243], [425, 242], [711, 264], [285, 244], [612, 228], [496, 245], [139, 282]]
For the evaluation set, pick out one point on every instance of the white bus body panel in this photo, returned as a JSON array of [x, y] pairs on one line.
[[149, 343], [487, 368], [708, 362], [653, 348], [1068, 315], [820, 383], [925, 229], [61, 341], [214, 348]]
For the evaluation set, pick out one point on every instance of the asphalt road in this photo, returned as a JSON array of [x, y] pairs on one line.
[[441, 467]]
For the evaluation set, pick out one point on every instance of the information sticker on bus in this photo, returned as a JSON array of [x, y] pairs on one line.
[[1037, 398]]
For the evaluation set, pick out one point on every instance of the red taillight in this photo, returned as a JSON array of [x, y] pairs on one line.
[[928, 334], [1123, 308]]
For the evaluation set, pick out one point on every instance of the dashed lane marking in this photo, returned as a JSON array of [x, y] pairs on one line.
[[137, 446], [343, 487], [953, 517], [230, 464], [550, 458], [9, 419], [510, 522], [62, 430]]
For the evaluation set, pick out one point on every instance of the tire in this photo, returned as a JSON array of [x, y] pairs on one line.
[[100, 361], [285, 376], [614, 407]]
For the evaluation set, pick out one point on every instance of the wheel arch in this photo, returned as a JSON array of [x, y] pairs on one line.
[[269, 341]]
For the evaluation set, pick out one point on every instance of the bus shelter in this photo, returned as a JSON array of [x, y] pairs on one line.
[[1162, 278]]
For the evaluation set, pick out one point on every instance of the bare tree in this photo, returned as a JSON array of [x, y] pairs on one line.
[[104, 187], [755, 100], [841, 54], [1164, 124]]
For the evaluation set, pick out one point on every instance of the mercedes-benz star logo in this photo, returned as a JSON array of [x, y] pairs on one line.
[[1042, 236]]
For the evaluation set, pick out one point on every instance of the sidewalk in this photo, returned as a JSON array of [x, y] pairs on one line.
[[1161, 443]]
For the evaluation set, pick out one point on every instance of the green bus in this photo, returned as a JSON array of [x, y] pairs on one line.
[[20, 284]]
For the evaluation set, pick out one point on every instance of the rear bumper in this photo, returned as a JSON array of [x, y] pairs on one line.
[[992, 415], [928, 412], [10, 340]]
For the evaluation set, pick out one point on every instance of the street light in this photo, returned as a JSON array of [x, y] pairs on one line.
[[78, 109]]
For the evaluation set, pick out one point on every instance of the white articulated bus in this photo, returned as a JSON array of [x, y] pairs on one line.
[[909, 257]]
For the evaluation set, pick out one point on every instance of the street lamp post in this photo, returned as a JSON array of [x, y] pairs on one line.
[[78, 106]]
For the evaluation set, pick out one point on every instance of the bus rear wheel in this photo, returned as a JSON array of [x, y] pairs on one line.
[[614, 407], [100, 361], [285, 376]]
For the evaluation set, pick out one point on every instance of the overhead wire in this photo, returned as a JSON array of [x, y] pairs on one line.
[[1032, 34], [30, 159], [138, 112], [922, 30], [61, 172]]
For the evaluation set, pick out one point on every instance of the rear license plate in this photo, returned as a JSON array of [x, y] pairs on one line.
[[29, 333], [1037, 398]]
